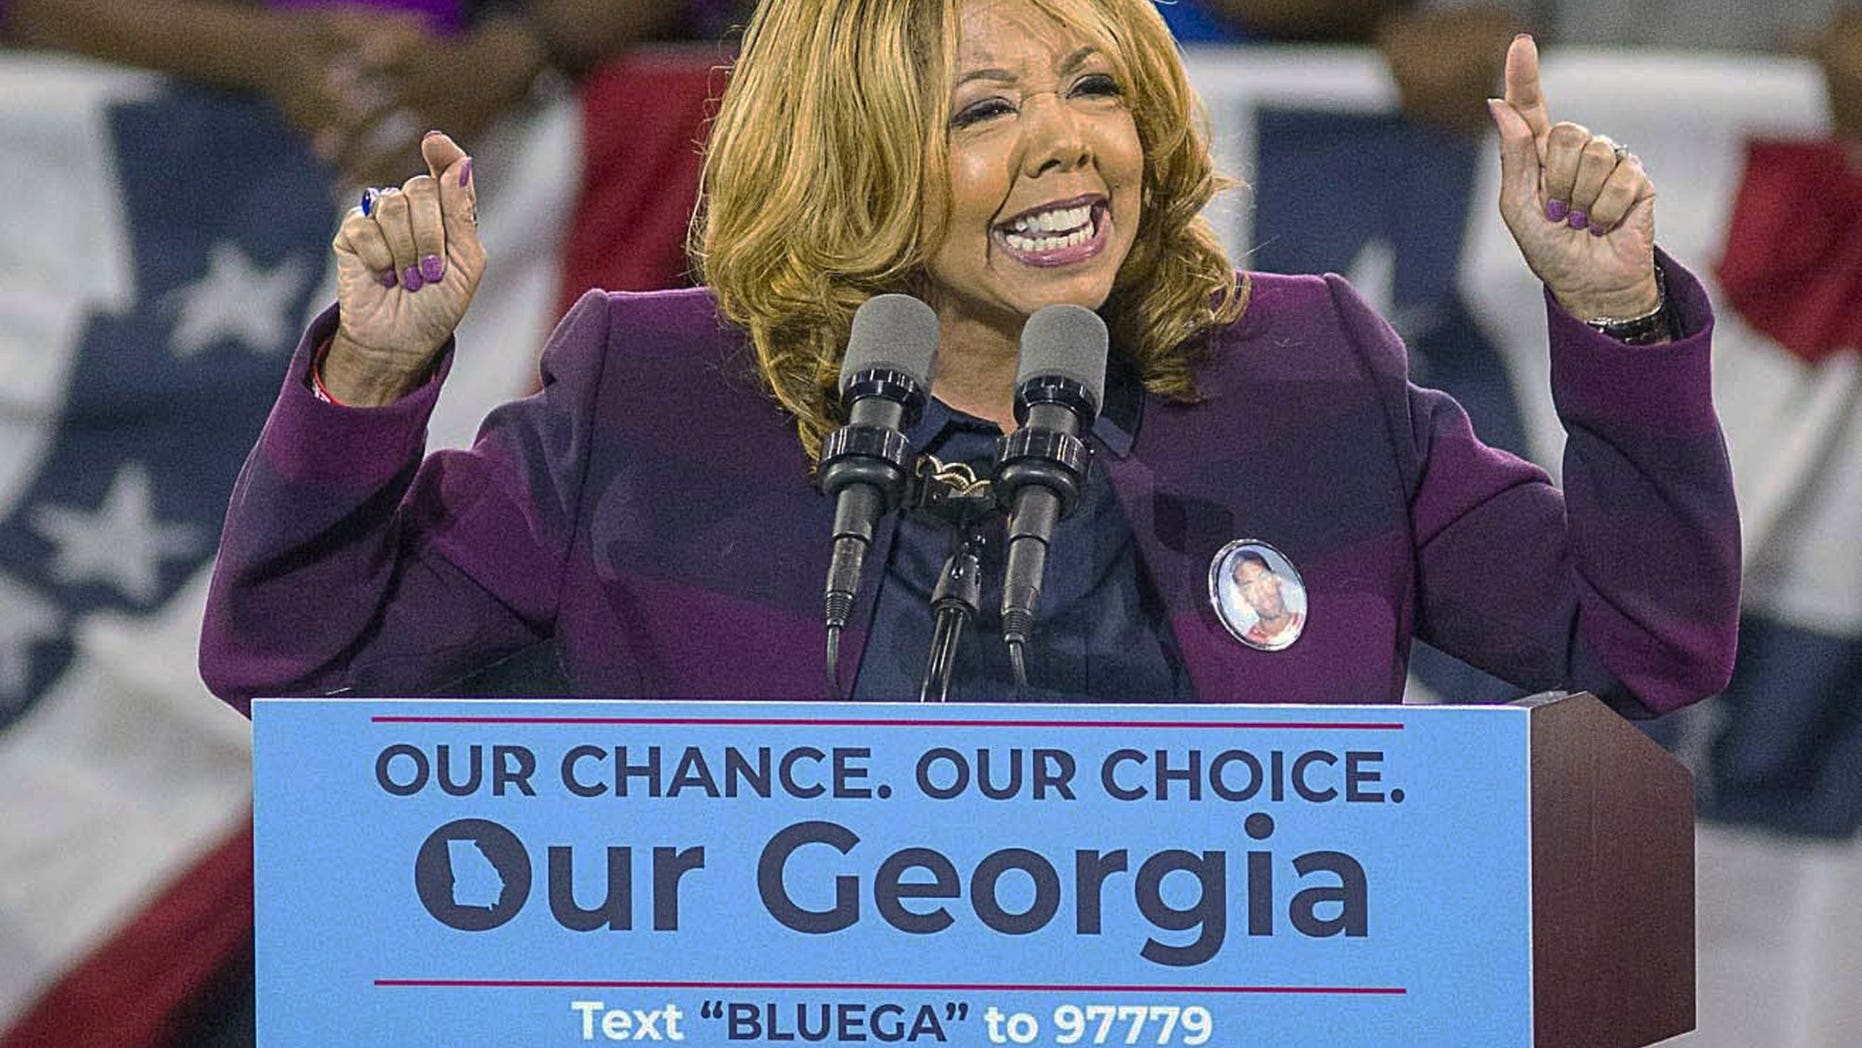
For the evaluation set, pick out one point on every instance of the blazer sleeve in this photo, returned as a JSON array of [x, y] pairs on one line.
[[350, 563], [1626, 582]]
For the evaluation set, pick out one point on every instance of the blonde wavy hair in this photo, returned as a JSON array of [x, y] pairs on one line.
[[822, 161]]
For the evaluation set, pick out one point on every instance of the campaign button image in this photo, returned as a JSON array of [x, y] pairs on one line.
[[1258, 594]]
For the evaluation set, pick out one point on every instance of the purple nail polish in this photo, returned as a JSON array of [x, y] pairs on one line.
[[432, 268], [465, 174], [388, 279], [1578, 220], [1597, 230], [412, 280], [1556, 210]]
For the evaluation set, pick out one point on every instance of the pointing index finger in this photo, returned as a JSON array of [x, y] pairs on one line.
[[1522, 85], [440, 152], [452, 169]]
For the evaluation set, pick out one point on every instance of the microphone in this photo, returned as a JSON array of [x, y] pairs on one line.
[[884, 379], [1059, 385]]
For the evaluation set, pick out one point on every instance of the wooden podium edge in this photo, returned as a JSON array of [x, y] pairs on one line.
[[1612, 880]]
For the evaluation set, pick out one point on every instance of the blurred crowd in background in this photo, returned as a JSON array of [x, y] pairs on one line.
[[271, 116], [362, 81]]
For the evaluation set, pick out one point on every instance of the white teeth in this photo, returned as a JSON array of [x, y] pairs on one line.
[[1041, 245], [1054, 221], [1051, 230]]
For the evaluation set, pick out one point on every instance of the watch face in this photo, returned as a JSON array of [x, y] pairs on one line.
[[1258, 594]]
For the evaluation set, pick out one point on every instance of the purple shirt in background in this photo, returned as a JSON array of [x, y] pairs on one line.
[[443, 15]]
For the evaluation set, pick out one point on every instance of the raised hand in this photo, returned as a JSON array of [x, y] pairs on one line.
[[1581, 208], [407, 264]]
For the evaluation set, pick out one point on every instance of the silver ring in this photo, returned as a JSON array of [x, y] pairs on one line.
[[1621, 151]]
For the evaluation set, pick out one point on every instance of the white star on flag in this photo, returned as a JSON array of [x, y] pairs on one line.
[[121, 543], [26, 619], [236, 301]]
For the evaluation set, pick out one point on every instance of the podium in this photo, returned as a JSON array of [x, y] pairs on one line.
[[1612, 880], [717, 873]]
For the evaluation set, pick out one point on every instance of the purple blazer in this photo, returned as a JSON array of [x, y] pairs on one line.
[[650, 509]]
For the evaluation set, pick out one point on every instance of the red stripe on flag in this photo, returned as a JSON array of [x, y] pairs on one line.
[[644, 119], [134, 990]]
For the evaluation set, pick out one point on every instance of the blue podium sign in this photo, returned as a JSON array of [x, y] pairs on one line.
[[576, 872]]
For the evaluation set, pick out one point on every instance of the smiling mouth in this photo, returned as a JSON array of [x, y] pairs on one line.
[[1057, 234]]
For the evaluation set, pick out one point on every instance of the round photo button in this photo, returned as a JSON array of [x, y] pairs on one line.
[[1258, 594]]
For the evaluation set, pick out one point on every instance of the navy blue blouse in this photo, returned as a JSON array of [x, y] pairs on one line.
[[1100, 631]]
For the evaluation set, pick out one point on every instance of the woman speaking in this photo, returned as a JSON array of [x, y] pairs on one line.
[[1267, 510]]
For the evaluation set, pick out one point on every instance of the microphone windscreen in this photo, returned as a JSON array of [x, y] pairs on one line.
[[1066, 341], [892, 331]]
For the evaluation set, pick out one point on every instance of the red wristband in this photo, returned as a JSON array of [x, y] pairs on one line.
[[317, 388]]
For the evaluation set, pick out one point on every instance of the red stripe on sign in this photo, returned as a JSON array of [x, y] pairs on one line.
[[138, 987], [802, 722], [563, 984]]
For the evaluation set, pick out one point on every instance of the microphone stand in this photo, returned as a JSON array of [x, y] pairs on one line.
[[955, 604], [957, 495]]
